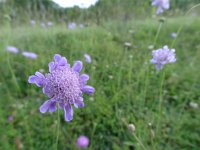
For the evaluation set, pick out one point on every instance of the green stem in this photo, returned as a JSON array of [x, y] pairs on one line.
[[181, 27], [58, 126], [160, 100], [158, 32], [139, 141]]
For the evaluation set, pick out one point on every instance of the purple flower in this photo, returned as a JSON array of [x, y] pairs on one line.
[[12, 49], [49, 24], [161, 5], [72, 25], [82, 141], [33, 22], [29, 55], [63, 85], [10, 118], [163, 56], [87, 58], [174, 34]]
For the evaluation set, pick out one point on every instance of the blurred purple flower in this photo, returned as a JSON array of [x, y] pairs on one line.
[[72, 25], [174, 34], [49, 24], [161, 5], [29, 55], [10, 118], [63, 85], [82, 141], [163, 56], [87, 58], [12, 49], [33, 22]]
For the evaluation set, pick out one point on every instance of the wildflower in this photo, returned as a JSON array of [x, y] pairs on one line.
[[174, 34], [72, 25], [10, 118], [161, 5], [29, 55], [163, 56], [12, 49], [63, 85], [49, 24], [131, 128], [33, 22], [87, 58], [82, 141]]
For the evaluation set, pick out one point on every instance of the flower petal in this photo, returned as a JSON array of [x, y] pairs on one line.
[[57, 57], [45, 106], [88, 89], [38, 80], [68, 112], [79, 103], [51, 66], [52, 106], [62, 61], [83, 78], [77, 66]]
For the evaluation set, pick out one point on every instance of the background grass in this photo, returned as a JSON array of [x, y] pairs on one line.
[[127, 87]]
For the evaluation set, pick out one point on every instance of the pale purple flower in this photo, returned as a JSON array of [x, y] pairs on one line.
[[87, 58], [10, 118], [163, 56], [72, 25], [12, 49], [33, 22], [82, 141], [161, 5], [29, 55], [63, 85], [49, 24], [174, 34]]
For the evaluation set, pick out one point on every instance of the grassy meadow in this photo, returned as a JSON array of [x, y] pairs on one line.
[[129, 90]]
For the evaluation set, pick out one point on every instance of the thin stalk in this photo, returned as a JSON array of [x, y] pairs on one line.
[[157, 34], [181, 27], [139, 141], [58, 128]]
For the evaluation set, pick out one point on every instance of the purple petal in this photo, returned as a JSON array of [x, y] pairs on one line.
[[51, 66], [79, 103], [83, 78], [52, 106], [57, 57], [39, 74], [88, 89], [45, 106], [62, 61], [37, 79], [77, 66], [48, 90], [68, 112]]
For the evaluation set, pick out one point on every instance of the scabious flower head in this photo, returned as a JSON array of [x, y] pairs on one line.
[[72, 25], [49, 24], [63, 85], [174, 34], [29, 55], [12, 49], [33, 22], [87, 58], [82, 141], [163, 56], [161, 5]]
